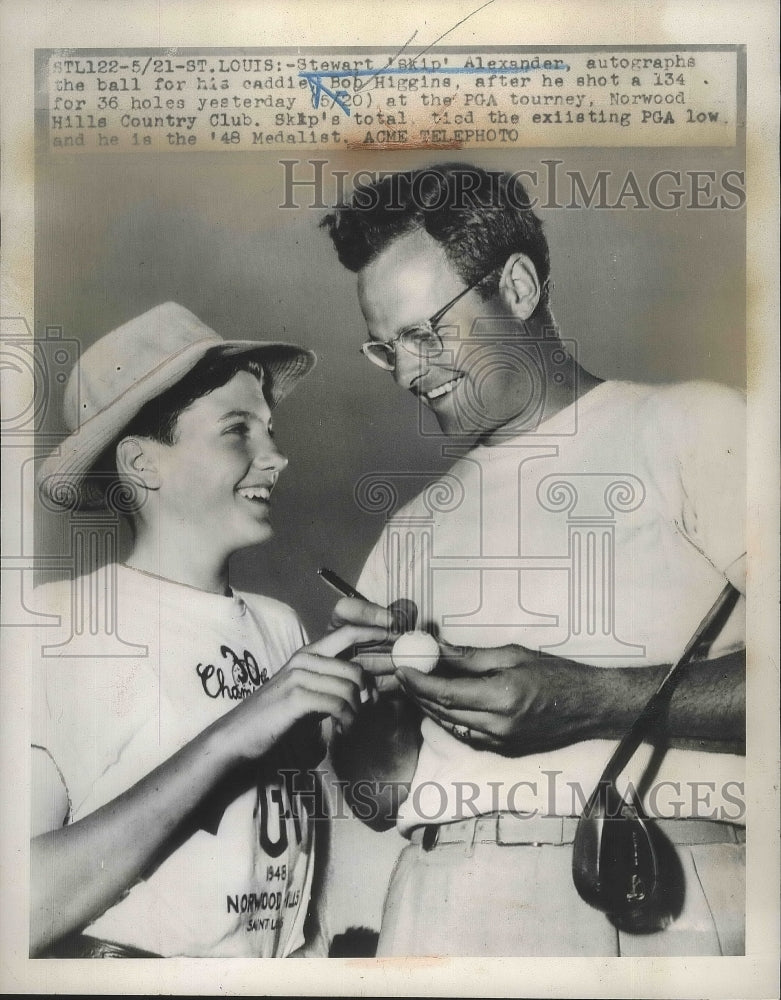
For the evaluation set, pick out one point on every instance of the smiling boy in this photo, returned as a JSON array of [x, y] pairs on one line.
[[166, 817]]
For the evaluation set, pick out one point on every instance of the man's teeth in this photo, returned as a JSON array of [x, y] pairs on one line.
[[442, 390], [255, 492]]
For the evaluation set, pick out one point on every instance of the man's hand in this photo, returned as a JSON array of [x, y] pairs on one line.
[[514, 701], [508, 698]]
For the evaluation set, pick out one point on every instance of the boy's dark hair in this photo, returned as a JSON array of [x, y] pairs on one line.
[[157, 419], [480, 217]]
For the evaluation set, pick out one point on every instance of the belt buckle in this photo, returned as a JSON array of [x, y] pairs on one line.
[[430, 837]]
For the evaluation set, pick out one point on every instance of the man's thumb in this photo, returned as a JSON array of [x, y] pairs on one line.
[[405, 614], [471, 660]]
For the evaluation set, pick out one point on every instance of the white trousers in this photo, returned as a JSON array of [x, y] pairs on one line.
[[475, 897]]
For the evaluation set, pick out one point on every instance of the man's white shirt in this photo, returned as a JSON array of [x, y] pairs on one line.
[[603, 537]]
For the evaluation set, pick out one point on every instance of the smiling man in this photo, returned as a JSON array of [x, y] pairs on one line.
[[474, 384], [592, 524], [168, 817]]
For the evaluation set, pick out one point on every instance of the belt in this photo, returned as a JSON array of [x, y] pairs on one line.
[[509, 829]]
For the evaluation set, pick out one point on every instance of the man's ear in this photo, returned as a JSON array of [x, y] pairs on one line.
[[137, 457], [519, 285]]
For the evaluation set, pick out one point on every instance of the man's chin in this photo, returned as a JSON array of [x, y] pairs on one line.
[[448, 414], [459, 421], [455, 430], [455, 421]]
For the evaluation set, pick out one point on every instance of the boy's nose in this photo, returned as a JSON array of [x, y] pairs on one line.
[[270, 457]]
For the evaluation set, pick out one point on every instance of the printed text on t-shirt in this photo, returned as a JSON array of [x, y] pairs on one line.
[[246, 674]]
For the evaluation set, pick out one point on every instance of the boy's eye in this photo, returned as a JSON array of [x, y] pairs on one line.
[[241, 430]]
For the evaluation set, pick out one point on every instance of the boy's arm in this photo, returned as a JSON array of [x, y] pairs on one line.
[[79, 871]]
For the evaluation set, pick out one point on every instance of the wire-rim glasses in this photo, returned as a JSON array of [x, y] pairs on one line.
[[420, 340]]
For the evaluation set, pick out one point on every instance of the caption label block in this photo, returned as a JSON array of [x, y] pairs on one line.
[[222, 99]]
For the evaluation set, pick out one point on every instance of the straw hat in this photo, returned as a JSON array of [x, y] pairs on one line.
[[134, 364]]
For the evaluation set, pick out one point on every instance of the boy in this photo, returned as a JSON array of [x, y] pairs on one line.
[[166, 814]]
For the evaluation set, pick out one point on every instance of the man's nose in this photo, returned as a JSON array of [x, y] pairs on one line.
[[408, 368]]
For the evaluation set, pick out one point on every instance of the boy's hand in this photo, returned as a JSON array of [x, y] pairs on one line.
[[313, 684]]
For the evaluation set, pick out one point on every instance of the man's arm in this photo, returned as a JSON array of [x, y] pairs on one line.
[[79, 871], [514, 702], [517, 702]]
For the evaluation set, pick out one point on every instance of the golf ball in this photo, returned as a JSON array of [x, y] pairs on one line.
[[416, 649]]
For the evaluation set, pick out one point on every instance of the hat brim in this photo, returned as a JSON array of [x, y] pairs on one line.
[[61, 475]]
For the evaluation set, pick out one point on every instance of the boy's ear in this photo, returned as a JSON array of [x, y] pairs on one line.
[[519, 285], [137, 456]]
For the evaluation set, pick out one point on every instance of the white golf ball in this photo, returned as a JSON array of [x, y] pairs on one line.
[[416, 649]]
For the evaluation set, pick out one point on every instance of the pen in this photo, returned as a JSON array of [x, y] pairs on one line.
[[339, 585], [405, 614]]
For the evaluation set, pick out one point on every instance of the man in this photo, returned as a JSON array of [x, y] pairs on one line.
[[589, 527], [167, 813]]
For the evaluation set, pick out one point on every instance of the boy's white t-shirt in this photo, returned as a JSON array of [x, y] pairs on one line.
[[180, 659], [602, 537]]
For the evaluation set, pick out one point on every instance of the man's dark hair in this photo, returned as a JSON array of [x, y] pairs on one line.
[[479, 217]]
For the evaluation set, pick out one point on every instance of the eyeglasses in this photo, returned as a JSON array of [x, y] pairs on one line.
[[421, 340]]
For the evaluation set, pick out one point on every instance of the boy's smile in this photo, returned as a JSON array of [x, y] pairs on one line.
[[217, 478]]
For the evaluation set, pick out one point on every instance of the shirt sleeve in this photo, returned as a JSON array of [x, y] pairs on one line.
[[373, 582], [711, 454], [50, 797]]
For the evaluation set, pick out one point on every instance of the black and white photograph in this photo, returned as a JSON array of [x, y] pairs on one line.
[[390, 495]]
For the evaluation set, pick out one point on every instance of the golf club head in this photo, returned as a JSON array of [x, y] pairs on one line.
[[617, 867]]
